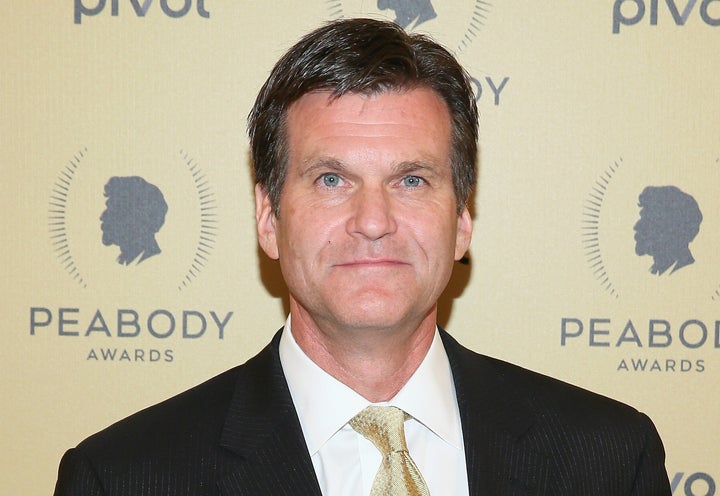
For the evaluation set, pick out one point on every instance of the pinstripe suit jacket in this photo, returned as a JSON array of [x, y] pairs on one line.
[[238, 434]]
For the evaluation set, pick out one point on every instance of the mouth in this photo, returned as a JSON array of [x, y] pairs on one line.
[[372, 262]]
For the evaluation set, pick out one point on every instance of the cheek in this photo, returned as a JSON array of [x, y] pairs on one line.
[[434, 242], [309, 237], [438, 227]]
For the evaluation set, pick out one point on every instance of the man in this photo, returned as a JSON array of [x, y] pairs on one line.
[[364, 146]]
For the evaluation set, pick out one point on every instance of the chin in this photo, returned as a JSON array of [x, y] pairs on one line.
[[369, 325], [377, 317]]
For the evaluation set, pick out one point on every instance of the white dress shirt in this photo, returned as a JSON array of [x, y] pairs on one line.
[[345, 462]]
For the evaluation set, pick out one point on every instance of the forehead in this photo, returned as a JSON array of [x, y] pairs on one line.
[[402, 122]]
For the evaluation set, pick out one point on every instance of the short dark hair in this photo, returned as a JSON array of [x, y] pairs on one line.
[[365, 56]]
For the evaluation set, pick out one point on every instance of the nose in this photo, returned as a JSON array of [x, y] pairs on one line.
[[372, 216]]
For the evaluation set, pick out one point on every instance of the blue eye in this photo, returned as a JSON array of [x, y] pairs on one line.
[[412, 181], [330, 179]]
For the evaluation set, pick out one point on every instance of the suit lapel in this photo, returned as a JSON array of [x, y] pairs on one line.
[[263, 429], [497, 424]]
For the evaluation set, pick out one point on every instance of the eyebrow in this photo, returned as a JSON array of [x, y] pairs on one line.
[[409, 167], [401, 168], [322, 163]]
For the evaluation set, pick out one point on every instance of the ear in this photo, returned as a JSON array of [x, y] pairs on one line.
[[463, 234], [266, 222]]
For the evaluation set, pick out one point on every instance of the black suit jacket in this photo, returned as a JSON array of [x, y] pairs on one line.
[[238, 434]]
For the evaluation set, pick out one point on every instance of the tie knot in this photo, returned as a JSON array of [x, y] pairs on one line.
[[398, 475], [383, 426]]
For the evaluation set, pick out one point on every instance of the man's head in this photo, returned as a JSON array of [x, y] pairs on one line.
[[364, 141], [367, 57]]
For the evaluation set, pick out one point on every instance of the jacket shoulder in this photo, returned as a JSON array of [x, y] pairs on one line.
[[198, 411], [590, 444], [544, 394]]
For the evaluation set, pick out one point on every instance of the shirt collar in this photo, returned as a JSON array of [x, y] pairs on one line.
[[324, 404], [429, 396]]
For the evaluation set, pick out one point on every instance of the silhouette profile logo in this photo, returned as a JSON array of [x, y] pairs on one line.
[[669, 221], [135, 212], [454, 23], [409, 12]]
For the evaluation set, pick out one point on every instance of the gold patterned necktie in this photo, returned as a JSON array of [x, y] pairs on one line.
[[398, 475]]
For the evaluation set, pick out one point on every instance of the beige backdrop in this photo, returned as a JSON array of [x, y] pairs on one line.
[[583, 105]]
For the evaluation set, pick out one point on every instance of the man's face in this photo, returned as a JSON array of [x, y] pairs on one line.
[[368, 226]]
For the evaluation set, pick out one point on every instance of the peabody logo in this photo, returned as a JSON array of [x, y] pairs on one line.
[[134, 216], [651, 243], [178, 9], [666, 221], [125, 234]]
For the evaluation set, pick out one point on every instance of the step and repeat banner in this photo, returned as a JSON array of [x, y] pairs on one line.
[[131, 265]]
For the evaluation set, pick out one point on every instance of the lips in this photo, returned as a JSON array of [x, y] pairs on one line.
[[374, 262]]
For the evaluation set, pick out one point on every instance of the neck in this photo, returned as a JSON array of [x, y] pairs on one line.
[[375, 363]]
